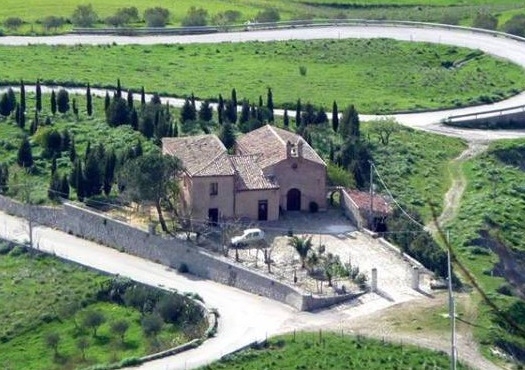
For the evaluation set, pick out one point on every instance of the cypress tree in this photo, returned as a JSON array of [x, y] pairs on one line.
[[75, 108], [5, 105], [234, 97], [130, 100], [53, 191], [11, 98], [72, 150], [22, 97], [119, 89], [17, 115], [34, 124], [65, 143], [107, 102], [134, 119], [92, 175], [88, 151], [220, 110], [245, 111], [205, 111], [89, 101], [286, 119], [192, 99], [269, 104], [64, 187], [53, 102], [62, 100], [335, 117], [4, 178], [25, 154], [227, 135], [54, 165], [231, 112], [260, 101], [187, 113], [298, 113], [142, 96], [109, 171], [38, 96], [79, 181]]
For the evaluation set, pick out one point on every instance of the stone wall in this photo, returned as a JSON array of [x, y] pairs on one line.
[[97, 227], [351, 211]]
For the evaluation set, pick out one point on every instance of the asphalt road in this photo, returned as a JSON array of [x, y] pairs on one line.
[[245, 317], [429, 121]]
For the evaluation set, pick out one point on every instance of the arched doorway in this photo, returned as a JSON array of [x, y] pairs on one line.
[[293, 200]]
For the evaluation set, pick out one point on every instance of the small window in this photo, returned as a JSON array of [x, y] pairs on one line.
[[214, 188]]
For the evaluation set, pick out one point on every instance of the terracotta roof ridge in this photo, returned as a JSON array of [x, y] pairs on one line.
[[211, 162], [276, 134]]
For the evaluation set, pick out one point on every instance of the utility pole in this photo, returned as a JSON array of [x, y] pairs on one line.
[[451, 309], [371, 214]]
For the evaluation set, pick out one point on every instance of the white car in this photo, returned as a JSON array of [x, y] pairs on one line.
[[249, 236]]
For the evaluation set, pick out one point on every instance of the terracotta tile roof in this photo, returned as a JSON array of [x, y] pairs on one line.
[[270, 143], [249, 176], [362, 200], [202, 155]]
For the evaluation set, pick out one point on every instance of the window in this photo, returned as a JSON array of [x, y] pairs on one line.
[[214, 188]]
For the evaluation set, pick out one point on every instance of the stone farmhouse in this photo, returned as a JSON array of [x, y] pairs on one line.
[[272, 171]]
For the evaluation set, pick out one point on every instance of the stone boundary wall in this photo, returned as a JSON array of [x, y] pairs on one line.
[[351, 211], [171, 252]]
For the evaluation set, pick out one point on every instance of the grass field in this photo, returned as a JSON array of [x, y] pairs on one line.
[[434, 10], [314, 351], [35, 293], [377, 76]]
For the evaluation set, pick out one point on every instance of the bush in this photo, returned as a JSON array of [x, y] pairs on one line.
[[313, 207], [5, 248], [515, 25], [195, 17], [486, 21], [268, 15], [13, 23], [505, 289], [156, 17], [17, 251], [84, 16]]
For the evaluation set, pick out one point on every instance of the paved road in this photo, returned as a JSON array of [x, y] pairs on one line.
[[502, 47]]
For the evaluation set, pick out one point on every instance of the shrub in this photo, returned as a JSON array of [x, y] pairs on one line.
[[313, 207], [268, 15], [17, 251], [303, 70], [152, 325], [84, 16], [13, 23], [195, 17], [156, 17], [515, 25], [5, 248], [505, 289], [486, 21]]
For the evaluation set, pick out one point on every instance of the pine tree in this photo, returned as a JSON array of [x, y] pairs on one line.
[[89, 101], [53, 102], [25, 154], [38, 96], [119, 89], [142, 96], [130, 100], [286, 119], [298, 113], [269, 104], [335, 117], [22, 97]]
